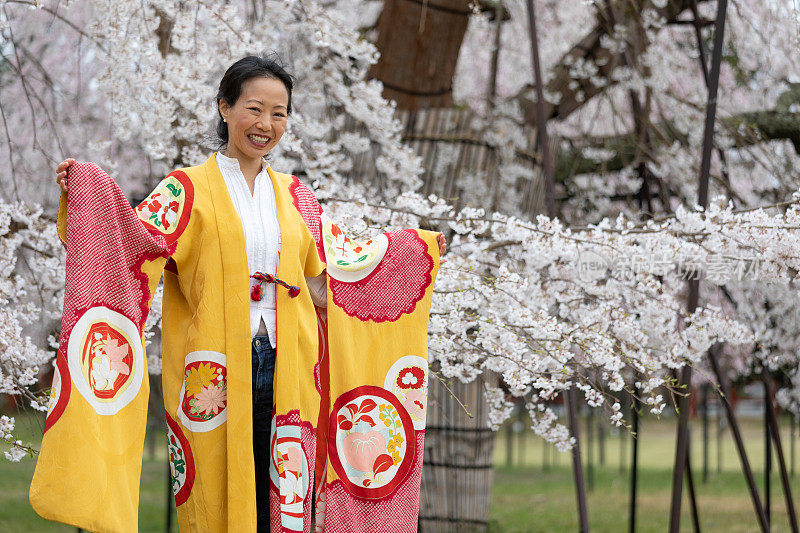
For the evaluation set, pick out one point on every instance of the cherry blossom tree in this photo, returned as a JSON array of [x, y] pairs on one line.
[[595, 305]]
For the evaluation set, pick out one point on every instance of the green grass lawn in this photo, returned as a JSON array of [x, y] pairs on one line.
[[534, 493], [528, 499], [17, 516]]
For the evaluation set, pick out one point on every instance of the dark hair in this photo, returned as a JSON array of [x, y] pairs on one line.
[[230, 86]]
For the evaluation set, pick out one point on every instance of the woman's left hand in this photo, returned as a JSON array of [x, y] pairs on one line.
[[442, 246]]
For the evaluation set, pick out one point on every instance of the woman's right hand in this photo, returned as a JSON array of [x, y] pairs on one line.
[[61, 172]]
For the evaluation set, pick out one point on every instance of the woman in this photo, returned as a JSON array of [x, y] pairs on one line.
[[196, 230]]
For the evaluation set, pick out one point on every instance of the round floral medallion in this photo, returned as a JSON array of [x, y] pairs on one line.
[[181, 462], [59, 392], [408, 380], [371, 441], [106, 359], [289, 474], [166, 210], [392, 285], [350, 260], [204, 392]]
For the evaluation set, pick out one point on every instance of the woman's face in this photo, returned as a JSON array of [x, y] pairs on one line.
[[257, 120]]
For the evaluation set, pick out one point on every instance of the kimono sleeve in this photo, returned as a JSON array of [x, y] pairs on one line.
[[371, 374], [307, 205], [88, 470], [379, 296], [314, 265]]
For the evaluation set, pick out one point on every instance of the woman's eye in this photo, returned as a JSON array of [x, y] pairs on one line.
[[257, 110], [280, 115]]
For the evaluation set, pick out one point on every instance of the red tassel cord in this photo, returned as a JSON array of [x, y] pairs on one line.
[[257, 291]]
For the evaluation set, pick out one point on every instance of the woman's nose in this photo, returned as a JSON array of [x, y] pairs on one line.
[[264, 124]]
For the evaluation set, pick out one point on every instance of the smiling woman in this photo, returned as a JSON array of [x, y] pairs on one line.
[[246, 253], [253, 111]]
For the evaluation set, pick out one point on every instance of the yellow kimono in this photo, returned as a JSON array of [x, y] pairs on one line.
[[349, 407]]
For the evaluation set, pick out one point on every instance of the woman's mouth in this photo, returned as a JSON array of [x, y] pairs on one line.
[[259, 141]]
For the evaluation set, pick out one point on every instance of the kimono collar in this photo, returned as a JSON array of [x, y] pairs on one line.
[[232, 164]]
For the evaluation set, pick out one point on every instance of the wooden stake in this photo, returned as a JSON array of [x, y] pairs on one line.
[[720, 430], [737, 437], [509, 443], [623, 439], [702, 200], [634, 462], [767, 451], [541, 118], [601, 441], [498, 25], [772, 419], [522, 437], [792, 428], [590, 450], [570, 399], [682, 447], [692, 494], [705, 433]]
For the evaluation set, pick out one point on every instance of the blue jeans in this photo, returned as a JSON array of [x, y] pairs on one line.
[[263, 374]]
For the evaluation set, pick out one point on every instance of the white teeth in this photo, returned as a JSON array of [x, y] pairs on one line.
[[259, 139]]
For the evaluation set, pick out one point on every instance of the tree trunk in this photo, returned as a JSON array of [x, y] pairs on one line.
[[419, 41], [590, 49]]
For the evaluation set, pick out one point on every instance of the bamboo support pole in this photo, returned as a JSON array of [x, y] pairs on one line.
[[772, 420], [577, 467], [737, 438], [702, 200], [634, 462]]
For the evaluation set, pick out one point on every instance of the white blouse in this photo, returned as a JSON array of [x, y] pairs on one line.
[[262, 234]]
